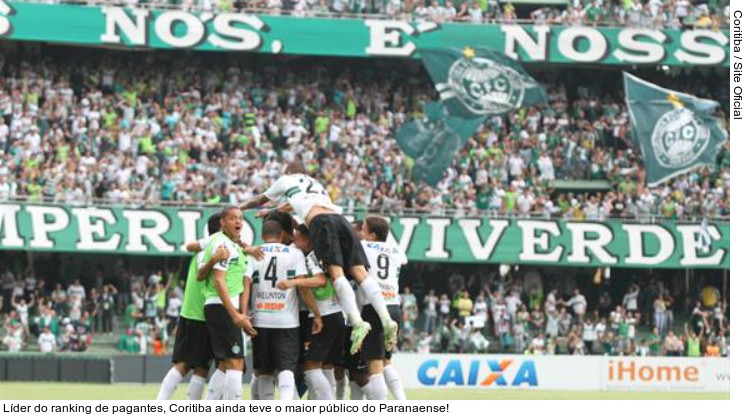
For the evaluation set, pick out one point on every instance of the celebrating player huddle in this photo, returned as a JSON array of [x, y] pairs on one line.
[[292, 297]]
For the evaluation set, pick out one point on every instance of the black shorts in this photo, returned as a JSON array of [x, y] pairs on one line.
[[276, 349], [328, 346], [354, 363], [397, 316], [226, 337], [335, 242], [373, 347], [193, 345]]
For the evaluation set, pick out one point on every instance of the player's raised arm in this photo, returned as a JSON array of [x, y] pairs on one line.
[[254, 202], [220, 255]]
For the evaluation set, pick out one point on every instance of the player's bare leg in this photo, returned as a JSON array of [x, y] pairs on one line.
[[346, 299]]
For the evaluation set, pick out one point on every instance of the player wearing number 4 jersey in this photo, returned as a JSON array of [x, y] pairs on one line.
[[276, 346], [336, 246]]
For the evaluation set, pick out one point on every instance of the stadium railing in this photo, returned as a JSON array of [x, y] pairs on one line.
[[448, 212]]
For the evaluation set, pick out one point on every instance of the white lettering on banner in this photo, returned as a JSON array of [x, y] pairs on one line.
[[138, 231], [532, 243], [699, 53], [9, 236], [167, 21], [581, 243], [189, 219], [5, 26], [645, 53], [384, 38], [438, 231], [247, 40], [690, 257], [637, 249], [42, 228], [479, 250], [569, 38], [91, 232], [118, 21], [408, 225], [516, 36]]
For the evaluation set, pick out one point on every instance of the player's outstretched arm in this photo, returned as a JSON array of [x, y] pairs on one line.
[[193, 247], [254, 202], [319, 280]]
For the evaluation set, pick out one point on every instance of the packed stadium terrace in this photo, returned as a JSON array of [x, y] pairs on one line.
[[82, 126], [673, 14]]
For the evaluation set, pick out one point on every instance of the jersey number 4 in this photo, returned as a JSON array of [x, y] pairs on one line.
[[271, 272]]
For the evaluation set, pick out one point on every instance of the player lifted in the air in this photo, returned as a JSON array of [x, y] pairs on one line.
[[336, 245]]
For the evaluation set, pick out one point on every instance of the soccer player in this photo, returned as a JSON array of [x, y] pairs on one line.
[[386, 260], [228, 285], [276, 346], [323, 351], [192, 349], [369, 371], [336, 246]]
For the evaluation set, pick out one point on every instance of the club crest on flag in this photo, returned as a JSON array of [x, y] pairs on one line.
[[679, 137], [484, 86]]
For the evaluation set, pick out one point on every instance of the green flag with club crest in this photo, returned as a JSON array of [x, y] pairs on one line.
[[676, 132], [480, 81]]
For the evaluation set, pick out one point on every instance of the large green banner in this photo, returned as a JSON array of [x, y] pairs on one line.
[[163, 231], [144, 28]]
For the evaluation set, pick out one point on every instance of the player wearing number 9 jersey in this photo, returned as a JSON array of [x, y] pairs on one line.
[[336, 246], [386, 259], [276, 347]]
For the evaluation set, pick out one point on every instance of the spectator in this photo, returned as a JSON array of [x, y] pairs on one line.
[[430, 312], [47, 341], [464, 306]]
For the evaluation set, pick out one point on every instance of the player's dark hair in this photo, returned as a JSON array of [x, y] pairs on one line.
[[227, 210], [358, 225], [271, 229], [284, 219], [378, 226], [213, 224], [302, 229], [295, 167]]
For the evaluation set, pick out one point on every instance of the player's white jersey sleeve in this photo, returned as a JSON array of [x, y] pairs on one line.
[[278, 188], [232, 248], [313, 265], [300, 267], [402, 257]]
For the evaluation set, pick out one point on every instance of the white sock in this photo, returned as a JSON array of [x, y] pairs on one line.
[[374, 295], [170, 383], [216, 389], [393, 382], [375, 389], [318, 385], [356, 391], [285, 383], [347, 300], [196, 388], [341, 389], [233, 385], [266, 388], [254, 388], [330, 376]]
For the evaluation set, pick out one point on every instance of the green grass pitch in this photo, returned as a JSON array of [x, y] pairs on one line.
[[122, 391]]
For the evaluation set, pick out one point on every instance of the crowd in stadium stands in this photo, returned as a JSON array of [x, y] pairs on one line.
[[185, 129], [507, 316], [532, 324], [673, 14]]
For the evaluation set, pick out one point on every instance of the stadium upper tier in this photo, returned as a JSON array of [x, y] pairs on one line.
[[627, 13]]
